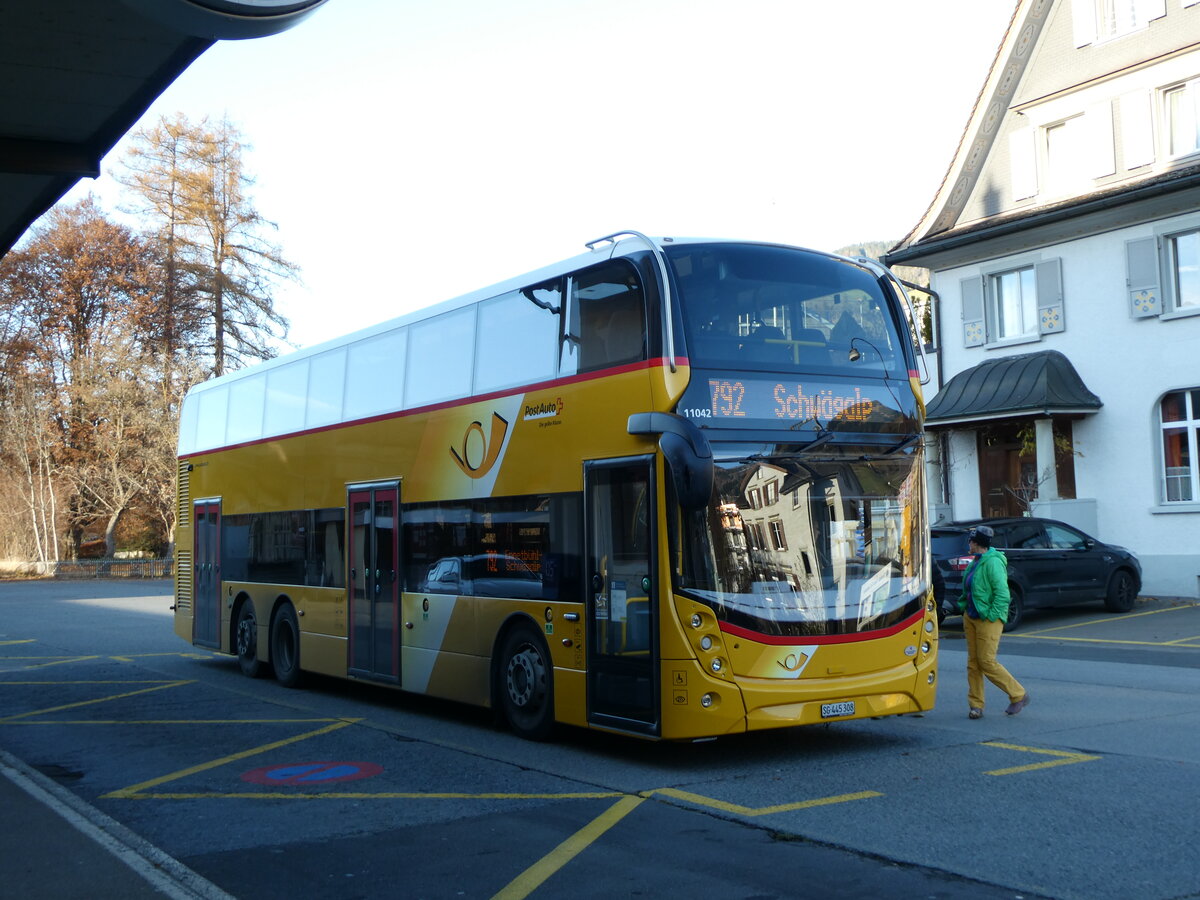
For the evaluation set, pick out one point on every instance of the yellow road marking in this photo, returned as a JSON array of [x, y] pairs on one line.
[[1148, 612], [1065, 758], [61, 661], [204, 767], [38, 712], [529, 880], [762, 810], [98, 681], [22, 641], [177, 721], [363, 795], [1056, 637]]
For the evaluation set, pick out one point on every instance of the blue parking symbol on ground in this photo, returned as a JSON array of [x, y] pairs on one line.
[[311, 773]]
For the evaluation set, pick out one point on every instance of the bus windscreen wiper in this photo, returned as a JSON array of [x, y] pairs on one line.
[[903, 445]]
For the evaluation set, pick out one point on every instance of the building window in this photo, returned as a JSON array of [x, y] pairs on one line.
[[1180, 417], [1183, 253], [1013, 303], [778, 539], [1103, 20], [1182, 123]]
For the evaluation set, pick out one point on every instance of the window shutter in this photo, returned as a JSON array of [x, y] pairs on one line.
[[1141, 261], [1084, 12], [1137, 129], [1051, 314], [1098, 123], [1148, 10], [1022, 155], [974, 331]]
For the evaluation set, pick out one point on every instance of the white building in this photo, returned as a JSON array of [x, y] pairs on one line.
[[1064, 247]]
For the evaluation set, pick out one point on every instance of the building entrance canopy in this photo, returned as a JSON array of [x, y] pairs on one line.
[[1032, 384]]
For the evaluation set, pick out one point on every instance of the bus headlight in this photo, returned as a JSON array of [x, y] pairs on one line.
[[696, 620], [717, 664], [706, 643], [926, 647], [929, 626], [706, 701]]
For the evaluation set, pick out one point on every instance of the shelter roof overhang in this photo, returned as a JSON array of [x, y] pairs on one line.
[[1031, 384], [76, 75]]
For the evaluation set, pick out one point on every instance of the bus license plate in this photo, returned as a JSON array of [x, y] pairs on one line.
[[831, 710]]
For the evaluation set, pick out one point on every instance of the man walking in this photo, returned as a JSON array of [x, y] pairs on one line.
[[984, 604]]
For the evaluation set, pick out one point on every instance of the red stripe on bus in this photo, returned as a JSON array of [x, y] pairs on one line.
[[793, 640], [450, 404]]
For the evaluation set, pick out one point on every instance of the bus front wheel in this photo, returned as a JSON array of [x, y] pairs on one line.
[[285, 646], [526, 689]]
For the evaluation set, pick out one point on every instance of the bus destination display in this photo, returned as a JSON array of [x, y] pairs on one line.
[[733, 401]]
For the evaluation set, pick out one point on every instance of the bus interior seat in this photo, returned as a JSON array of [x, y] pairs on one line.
[[812, 345], [776, 351], [624, 335]]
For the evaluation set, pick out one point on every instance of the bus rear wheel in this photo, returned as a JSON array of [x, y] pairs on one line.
[[245, 637], [285, 646], [526, 690]]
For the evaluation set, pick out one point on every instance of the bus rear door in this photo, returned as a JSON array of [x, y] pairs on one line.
[[373, 511], [206, 615]]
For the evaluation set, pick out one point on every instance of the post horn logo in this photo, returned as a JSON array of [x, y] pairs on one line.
[[489, 447]]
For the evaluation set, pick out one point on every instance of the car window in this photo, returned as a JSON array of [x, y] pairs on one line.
[[1026, 536], [948, 543], [1063, 538]]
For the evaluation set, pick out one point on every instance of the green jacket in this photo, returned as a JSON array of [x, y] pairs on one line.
[[988, 577]]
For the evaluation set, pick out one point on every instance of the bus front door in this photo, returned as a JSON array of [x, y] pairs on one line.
[[622, 615], [206, 561], [374, 582]]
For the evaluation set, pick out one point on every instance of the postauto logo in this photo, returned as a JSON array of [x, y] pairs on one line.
[[480, 451]]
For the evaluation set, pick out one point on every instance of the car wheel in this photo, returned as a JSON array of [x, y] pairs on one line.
[[1016, 608], [285, 646], [1121, 592], [526, 689], [246, 641]]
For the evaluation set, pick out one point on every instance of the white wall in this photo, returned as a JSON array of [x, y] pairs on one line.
[[1129, 363]]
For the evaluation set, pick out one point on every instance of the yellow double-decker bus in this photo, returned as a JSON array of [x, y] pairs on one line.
[[671, 488]]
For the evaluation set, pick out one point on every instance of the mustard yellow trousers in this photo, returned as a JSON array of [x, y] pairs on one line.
[[983, 641]]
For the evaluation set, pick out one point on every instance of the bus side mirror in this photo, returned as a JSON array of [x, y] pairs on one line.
[[687, 452]]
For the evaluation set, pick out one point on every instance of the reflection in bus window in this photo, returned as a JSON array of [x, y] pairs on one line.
[[842, 555]]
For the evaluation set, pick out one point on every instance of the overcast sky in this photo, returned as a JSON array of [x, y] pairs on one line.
[[414, 151]]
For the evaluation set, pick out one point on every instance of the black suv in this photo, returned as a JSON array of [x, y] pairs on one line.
[[1049, 564]]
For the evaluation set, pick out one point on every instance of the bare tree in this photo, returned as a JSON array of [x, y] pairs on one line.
[[193, 186]]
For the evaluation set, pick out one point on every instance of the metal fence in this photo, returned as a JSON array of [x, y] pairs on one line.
[[111, 568]]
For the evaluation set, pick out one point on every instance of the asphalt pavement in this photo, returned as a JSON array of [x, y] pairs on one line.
[[55, 845]]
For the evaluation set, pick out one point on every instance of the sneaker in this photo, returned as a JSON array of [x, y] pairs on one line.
[[1017, 705], [975, 713]]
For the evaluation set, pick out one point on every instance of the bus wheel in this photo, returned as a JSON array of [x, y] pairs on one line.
[[246, 640], [526, 692], [285, 646]]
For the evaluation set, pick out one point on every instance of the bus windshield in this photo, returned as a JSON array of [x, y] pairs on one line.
[[781, 309], [795, 546]]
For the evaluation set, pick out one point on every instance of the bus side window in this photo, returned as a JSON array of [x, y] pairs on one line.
[[607, 308]]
